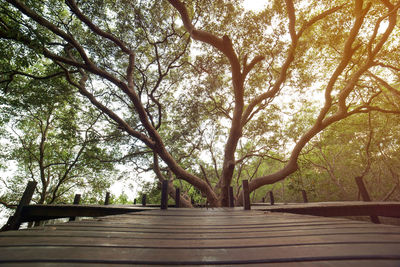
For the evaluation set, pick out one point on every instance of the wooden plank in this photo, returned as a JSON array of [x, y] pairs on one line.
[[266, 220], [243, 238], [216, 230], [123, 241], [174, 256], [196, 235], [213, 224], [316, 263]]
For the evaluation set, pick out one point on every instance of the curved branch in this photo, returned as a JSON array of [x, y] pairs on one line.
[[74, 8], [248, 68], [82, 89], [171, 188], [391, 89], [222, 44], [292, 19], [53, 28]]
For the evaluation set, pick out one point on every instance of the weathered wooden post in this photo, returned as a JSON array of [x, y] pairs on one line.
[[164, 195], [134, 201], [107, 200], [304, 194], [14, 222], [77, 200], [271, 198], [177, 197], [231, 199], [246, 195], [144, 200], [365, 196]]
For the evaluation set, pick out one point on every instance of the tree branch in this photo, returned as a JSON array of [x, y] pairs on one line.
[[74, 8]]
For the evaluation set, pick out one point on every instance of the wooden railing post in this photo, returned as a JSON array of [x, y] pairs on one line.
[[14, 222], [246, 195], [134, 201], [77, 200], [177, 197], [164, 195], [231, 199], [144, 200], [271, 197], [107, 200], [304, 194], [365, 196]]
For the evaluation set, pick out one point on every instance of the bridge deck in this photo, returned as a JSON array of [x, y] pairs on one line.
[[204, 236]]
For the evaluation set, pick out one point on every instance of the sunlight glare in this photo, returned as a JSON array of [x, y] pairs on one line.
[[254, 5]]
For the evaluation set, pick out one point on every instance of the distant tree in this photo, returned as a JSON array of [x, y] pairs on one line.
[[370, 151], [152, 192], [53, 140]]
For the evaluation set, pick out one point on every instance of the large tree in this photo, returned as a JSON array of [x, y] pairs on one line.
[[136, 62]]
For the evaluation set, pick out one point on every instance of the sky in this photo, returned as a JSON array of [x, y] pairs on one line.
[[254, 5]]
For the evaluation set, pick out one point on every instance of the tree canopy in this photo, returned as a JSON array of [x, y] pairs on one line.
[[206, 92], [53, 140]]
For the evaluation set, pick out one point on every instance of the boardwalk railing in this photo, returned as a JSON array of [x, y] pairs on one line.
[[336, 209], [31, 213]]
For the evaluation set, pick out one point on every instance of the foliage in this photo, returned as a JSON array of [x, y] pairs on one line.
[[152, 192], [52, 139], [333, 166], [216, 92]]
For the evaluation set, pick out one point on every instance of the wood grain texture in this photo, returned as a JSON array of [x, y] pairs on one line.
[[204, 236]]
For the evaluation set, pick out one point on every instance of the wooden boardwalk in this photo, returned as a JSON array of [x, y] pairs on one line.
[[204, 236]]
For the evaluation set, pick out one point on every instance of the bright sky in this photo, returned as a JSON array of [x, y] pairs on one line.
[[254, 5]]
